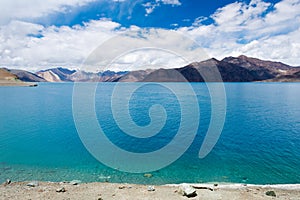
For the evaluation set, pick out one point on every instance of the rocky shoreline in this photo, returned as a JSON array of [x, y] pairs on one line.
[[101, 191]]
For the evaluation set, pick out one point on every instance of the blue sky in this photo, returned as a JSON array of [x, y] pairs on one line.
[[169, 14], [37, 34]]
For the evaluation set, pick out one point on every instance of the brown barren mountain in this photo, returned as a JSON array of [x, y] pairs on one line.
[[26, 76], [9, 79]]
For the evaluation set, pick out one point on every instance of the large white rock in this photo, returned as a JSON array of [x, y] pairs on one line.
[[187, 190]]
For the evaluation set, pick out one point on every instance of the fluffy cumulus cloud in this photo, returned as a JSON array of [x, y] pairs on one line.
[[256, 29], [142, 49], [33, 46]]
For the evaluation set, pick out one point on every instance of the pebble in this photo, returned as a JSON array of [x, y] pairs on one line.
[[148, 175], [61, 189], [271, 193], [7, 182], [33, 184], [121, 187], [150, 188], [75, 182]]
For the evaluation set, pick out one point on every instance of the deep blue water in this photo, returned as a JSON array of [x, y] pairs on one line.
[[259, 143]]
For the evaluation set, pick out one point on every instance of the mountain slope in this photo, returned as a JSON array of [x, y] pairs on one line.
[[259, 68], [133, 76], [229, 72], [286, 78], [66, 75], [9, 79], [56, 74], [5, 75], [26, 76]]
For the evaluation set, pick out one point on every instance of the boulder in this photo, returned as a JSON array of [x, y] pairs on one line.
[[187, 190], [7, 182], [271, 193], [33, 184], [61, 189], [150, 188]]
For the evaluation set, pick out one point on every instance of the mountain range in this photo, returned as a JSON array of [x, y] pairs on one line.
[[232, 69]]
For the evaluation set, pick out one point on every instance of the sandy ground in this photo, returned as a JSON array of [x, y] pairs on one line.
[[16, 83], [102, 191]]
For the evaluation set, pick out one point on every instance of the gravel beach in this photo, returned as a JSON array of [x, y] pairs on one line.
[[98, 191]]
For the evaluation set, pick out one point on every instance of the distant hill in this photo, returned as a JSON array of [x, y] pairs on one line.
[[133, 76], [26, 76], [5, 75], [56, 74], [9, 79], [66, 75]]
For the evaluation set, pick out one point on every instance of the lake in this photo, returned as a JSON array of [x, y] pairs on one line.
[[259, 142]]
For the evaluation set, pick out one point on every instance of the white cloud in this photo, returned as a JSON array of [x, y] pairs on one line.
[[142, 49], [151, 6], [34, 47], [171, 2], [198, 21], [252, 29], [58, 46], [29, 9]]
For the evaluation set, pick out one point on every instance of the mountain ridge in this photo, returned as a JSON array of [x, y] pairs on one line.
[[231, 69]]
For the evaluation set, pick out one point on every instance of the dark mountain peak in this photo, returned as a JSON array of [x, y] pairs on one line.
[[244, 57], [209, 62], [112, 73], [66, 71], [59, 69], [213, 61]]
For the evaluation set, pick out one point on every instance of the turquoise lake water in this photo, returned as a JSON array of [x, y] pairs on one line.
[[260, 141]]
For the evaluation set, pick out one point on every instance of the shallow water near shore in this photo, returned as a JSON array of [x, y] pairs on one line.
[[259, 143]]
